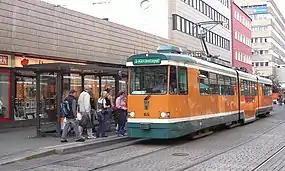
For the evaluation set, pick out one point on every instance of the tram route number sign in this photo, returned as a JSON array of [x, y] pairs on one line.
[[146, 61]]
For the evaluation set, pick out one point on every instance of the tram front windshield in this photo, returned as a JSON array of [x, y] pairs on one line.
[[149, 80]]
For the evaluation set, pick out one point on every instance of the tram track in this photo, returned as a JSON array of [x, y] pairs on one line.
[[174, 144], [93, 153], [214, 155], [177, 142], [268, 159]]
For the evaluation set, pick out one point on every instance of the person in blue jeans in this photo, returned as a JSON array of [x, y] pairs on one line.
[[121, 106]]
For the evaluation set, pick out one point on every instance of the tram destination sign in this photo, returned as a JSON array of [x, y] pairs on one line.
[[146, 61]]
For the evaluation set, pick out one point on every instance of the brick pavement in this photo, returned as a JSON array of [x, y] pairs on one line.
[[19, 140]]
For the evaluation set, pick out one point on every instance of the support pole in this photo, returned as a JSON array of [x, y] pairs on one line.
[[82, 82], [59, 83], [100, 85], [38, 99], [117, 84]]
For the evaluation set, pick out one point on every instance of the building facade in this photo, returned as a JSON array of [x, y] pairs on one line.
[[268, 35], [185, 15], [176, 20], [241, 38], [36, 32]]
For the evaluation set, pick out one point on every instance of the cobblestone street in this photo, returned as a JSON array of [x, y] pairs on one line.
[[241, 148]]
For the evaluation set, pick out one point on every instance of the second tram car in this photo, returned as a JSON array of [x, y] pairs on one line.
[[172, 95]]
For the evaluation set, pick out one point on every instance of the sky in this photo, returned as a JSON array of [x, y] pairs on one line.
[[132, 14]]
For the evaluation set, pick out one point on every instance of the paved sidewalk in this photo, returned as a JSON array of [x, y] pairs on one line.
[[18, 140], [21, 144]]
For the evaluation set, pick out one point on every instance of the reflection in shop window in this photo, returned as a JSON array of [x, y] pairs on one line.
[[25, 101], [93, 82], [4, 95]]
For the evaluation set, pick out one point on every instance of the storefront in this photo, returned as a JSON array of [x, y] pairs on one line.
[[18, 87]]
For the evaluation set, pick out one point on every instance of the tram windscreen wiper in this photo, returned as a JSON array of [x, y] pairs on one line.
[[147, 97]]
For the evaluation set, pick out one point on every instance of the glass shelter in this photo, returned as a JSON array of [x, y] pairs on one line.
[[40, 90]]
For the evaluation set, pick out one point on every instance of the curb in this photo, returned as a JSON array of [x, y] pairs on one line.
[[62, 149]]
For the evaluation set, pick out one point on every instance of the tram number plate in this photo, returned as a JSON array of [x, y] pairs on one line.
[[145, 126]]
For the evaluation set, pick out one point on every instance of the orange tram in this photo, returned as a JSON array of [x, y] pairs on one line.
[[172, 95]]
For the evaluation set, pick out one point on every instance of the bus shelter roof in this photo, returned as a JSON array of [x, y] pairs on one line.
[[86, 69]]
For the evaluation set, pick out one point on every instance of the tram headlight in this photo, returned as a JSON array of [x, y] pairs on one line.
[[164, 114], [132, 114]]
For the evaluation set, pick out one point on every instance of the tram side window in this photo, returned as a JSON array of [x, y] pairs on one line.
[[173, 80], [253, 88], [204, 82], [182, 80], [267, 90], [244, 88], [221, 83], [214, 86], [226, 89], [233, 85]]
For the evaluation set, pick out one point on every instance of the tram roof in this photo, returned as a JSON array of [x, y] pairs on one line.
[[186, 59]]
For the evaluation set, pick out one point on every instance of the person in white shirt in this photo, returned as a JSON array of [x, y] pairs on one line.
[[85, 110]]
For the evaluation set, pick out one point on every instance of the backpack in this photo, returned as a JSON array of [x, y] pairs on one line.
[[64, 108]]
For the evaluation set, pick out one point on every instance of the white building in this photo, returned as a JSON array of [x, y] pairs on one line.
[[268, 35], [185, 13], [170, 19]]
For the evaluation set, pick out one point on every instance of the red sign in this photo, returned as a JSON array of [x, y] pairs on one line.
[[25, 62], [4, 59], [249, 99]]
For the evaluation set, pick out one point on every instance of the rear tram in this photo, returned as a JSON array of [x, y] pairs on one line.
[[172, 95]]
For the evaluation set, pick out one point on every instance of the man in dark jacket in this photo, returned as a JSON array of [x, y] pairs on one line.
[[71, 118]]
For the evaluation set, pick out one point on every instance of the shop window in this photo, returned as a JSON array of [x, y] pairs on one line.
[[25, 100], [173, 80], [182, 80], [4, 95]]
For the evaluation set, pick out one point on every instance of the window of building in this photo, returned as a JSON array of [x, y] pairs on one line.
[[266, 63], [209, 11], [182, 25], [178, 25], [182, 80]]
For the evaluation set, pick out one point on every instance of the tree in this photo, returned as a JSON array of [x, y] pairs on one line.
[[276, 86]]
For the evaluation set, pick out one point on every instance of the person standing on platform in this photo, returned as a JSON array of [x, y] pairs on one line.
[[109, 115], [70, 113], [121, 106], [85, 110]]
